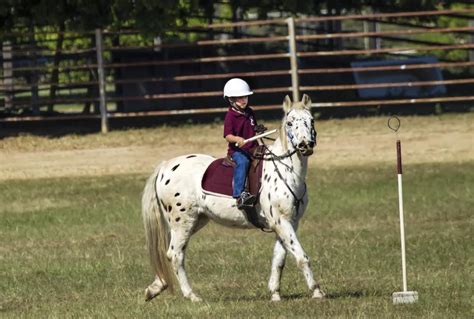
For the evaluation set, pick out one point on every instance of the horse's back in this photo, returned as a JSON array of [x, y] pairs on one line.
[[182, 175]]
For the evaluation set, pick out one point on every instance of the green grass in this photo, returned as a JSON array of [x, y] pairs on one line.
[[76, 248]]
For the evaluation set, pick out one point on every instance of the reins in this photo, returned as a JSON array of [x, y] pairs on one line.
[[298, 201], [273, 157]]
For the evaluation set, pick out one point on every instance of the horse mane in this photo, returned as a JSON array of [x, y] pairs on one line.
[[283, 140]]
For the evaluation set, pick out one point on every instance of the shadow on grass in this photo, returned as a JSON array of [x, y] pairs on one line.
[[334, 295], [356, 294], [299, 296], [346, 294]]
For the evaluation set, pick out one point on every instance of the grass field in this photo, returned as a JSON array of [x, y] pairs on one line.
[[72, 241], [75, 247]]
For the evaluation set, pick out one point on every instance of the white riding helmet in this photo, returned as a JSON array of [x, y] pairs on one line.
[[236, 87]]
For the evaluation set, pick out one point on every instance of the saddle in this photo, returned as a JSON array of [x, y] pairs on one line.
[[217, 181]]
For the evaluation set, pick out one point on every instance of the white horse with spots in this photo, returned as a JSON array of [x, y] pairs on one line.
[[174, 206]]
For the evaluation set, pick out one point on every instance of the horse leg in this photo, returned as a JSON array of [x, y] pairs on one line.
[[287, 236], [180, 234], [278, 263], [156, 287]]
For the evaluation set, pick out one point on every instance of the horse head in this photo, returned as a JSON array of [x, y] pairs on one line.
[[298, 125]]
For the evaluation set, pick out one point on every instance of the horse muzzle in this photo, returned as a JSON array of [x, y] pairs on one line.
[[306, 149]]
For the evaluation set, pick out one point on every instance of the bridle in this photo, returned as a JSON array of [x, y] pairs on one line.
[[268, 155]]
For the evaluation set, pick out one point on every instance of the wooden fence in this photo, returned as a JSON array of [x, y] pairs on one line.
[[105, 74]]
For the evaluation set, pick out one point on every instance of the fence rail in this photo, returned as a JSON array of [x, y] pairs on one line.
[[122, 73]]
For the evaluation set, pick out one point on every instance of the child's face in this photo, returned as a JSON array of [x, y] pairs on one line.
[[240, 101]]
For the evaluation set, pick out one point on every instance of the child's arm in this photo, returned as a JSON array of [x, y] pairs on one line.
[[235, 139]]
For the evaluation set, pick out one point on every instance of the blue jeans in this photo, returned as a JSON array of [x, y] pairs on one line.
[[240, 172]]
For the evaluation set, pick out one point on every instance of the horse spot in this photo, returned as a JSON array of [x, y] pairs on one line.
[[172, 247], [271, 211], [175, 167], [291, 242], [190, 156], [178, 204], [269, 196], [176, 195], [276, 180], [276, 188], [162, 175], [279, 221], [182, 209], [265, 178], [184, 247], [166, 183], [169, 208], [177, 219]]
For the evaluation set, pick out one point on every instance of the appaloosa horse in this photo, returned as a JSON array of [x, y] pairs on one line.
[[174, 206]]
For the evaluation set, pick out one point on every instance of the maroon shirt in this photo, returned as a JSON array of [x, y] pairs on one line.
[[240, 124]]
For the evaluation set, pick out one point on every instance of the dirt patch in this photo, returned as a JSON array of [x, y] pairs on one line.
[[447, 138]]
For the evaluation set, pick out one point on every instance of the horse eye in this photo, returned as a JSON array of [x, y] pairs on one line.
[[289, 124]]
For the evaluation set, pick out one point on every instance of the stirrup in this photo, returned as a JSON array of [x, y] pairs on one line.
[[246, 200]]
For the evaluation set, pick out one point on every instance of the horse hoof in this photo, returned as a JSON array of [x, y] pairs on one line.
[[195, 298], [149, 295], [276, 297], [318, 294]]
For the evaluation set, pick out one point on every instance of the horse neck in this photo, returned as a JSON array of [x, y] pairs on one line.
[[298, 162]]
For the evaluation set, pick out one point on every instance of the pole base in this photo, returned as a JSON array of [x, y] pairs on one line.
[[402, 297]]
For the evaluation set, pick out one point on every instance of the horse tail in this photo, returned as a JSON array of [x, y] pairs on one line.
[[156, 230]]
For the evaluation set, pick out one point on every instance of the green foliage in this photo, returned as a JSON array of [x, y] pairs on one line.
[[79, 15], [159, 16]]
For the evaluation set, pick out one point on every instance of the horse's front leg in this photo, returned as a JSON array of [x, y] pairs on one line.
[[287, 236], [278, 263]]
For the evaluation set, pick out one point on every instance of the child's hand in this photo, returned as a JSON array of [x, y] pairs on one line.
[[240, 142]]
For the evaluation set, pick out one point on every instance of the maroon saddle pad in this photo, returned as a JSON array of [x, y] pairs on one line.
[[218, 177]]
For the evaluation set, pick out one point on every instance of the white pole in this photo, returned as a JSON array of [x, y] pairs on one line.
[[405, 296], [256, 137], [402, 232]]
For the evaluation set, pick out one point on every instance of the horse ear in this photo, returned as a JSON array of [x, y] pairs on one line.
[[306, 100], [286, 104]]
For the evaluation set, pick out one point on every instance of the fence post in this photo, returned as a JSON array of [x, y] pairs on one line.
[[372, 42], [471, 52], [295, 86], [34, 74], [100, 72], [8, 74]]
